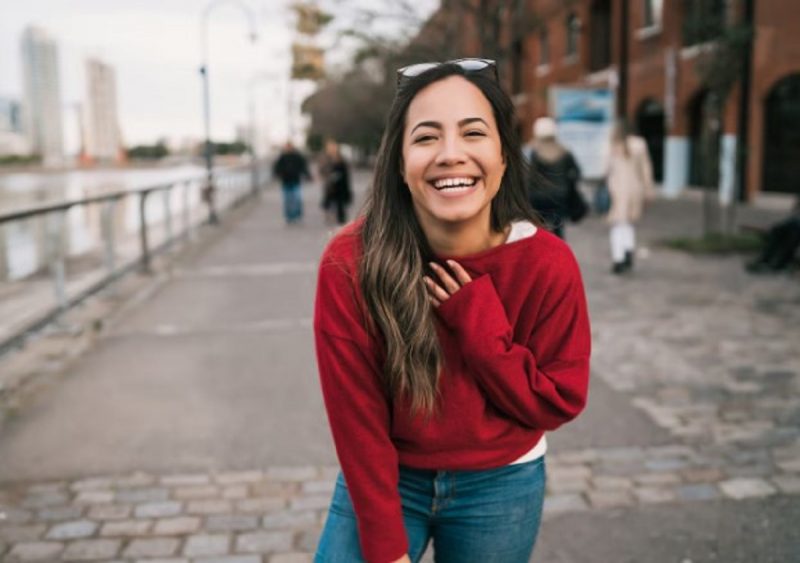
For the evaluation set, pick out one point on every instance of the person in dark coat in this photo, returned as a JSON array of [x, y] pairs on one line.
[[553, 184], [291, 168], [337, 192]]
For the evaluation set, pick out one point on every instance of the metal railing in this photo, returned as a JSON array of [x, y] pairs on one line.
[[233, 186]]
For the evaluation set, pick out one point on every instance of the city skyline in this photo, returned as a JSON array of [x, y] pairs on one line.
[[154, 47]]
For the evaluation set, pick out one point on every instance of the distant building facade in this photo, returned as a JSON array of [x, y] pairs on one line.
[[12, 139], [103, 142], [41, 109], [650, 53]]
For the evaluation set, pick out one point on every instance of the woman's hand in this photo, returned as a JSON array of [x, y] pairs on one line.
[[403, 559], [446, 286]]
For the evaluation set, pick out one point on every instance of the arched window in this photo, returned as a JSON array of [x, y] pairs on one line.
[[573, 35], [544, 47], [600, 35]]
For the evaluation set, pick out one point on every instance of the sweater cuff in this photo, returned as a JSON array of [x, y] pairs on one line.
[[385, 542], [475, 313]]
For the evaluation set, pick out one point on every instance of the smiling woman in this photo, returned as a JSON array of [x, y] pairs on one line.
[[451, 333]]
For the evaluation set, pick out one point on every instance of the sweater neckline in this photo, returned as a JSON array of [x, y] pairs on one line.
[[519, 228]]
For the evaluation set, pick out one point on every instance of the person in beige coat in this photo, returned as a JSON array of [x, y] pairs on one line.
[[630, 185]]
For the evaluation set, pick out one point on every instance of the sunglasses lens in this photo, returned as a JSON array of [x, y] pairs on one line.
[[473, 64], [417, 69]]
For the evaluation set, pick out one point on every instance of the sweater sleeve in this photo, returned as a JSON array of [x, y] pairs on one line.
[[541, 384], [359, 414]]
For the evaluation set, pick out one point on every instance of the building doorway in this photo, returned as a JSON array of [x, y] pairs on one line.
[[600, 30], [781, 165], [650, 125], [704, 137]]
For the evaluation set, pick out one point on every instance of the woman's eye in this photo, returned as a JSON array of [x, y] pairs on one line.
[[475, 133], [424, 138]]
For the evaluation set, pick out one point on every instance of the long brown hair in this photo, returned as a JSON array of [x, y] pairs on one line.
[[396, 251]]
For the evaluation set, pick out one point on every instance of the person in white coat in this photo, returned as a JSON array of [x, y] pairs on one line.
[[630, 184]]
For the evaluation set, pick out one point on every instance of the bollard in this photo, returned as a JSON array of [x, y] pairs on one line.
[[145, 259], [167, 194]]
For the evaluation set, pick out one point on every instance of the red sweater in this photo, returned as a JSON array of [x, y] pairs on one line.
[[516, 342]]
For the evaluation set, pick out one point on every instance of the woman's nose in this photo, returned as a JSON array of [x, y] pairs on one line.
[[451, 151]]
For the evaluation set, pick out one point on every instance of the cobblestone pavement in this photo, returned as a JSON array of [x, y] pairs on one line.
[[708, 353]]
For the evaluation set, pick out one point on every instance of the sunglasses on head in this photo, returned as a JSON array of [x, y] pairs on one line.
[[469, 66]]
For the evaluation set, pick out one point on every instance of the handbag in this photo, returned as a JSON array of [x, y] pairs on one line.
[[602, 198], [577, 208]]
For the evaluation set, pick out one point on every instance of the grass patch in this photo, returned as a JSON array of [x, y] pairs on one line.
[[717, 243]]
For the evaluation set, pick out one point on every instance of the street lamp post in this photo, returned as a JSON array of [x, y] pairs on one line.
[[208, 149]]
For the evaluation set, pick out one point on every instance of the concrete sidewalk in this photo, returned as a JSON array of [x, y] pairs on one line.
[[195, 430]]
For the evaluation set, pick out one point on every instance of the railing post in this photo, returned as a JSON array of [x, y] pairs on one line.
[[187, 211], [168, 215], [3, 253], [146, 269], [56, 240], [108, 234]]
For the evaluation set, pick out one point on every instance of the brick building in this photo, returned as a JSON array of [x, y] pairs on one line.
[[656, 76]]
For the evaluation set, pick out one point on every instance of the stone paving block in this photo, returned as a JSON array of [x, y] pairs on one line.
[[310, 502], [207, 545], [666, 464], [307, 540], [72, 530], [42, 500], [238, 477], [329, 472], [268, 488], [651, 495], [185, 480], [163, 560], [35, 551], [608, 482], [702, 475], [577, 457], [790, 465], [15, 516], [700, 491], [14, 534], [135, 496], [260, 504], [151, 547], [91, 484], [128, 528], [180, 525], [298, 474], [60, 513], [568, 472], [234, 492], [231, 523], [263, 542], [759, 470], [96, 496], [289, 519], [621, 454], [559, 486], [789, 484], [157, 509], [564, 503], [657, 479], [314, 487], [196, 492], [746, 488], [110, 511], [91, 550], [291, 558], [213, 506], [134, 480], [230, 559], [52, 487], [610, 499]]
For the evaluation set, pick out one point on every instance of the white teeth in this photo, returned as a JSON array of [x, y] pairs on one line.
[[454, 183]]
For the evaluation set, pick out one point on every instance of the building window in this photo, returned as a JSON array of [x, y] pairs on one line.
[[600, 35], [652, 13], [517, 57], [544, 47], [703, 20], [573, 34]]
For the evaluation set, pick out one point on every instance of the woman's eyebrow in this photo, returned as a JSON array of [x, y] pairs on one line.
[[437, 125]]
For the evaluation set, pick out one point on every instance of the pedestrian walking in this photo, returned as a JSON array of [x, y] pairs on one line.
[[291, 168], [630, 185], [553, 179], [451, 333], [337, 191]]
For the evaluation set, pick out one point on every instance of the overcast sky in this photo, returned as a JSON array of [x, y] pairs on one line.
[[154, 47]]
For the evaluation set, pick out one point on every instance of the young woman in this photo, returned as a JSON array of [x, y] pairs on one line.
[[451, 333]]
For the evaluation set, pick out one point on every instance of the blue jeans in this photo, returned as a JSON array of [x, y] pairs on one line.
[[489, 516], [292, 202]]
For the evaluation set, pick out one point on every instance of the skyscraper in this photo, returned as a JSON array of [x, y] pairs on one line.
[[42, 95], [102, 122]]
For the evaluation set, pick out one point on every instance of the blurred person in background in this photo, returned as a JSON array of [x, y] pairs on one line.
[[451, 333], [630, 185], [554, 176], [781, 243], [335, 174], [291, 168]]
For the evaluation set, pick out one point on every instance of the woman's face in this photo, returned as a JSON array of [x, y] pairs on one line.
[[452, 155]]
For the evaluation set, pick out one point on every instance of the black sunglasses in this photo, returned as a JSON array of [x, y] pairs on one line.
[[470, 66]]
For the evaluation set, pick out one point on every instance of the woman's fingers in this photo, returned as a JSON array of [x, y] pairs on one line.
[[461, 274], [447, 280], [435, 290]]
